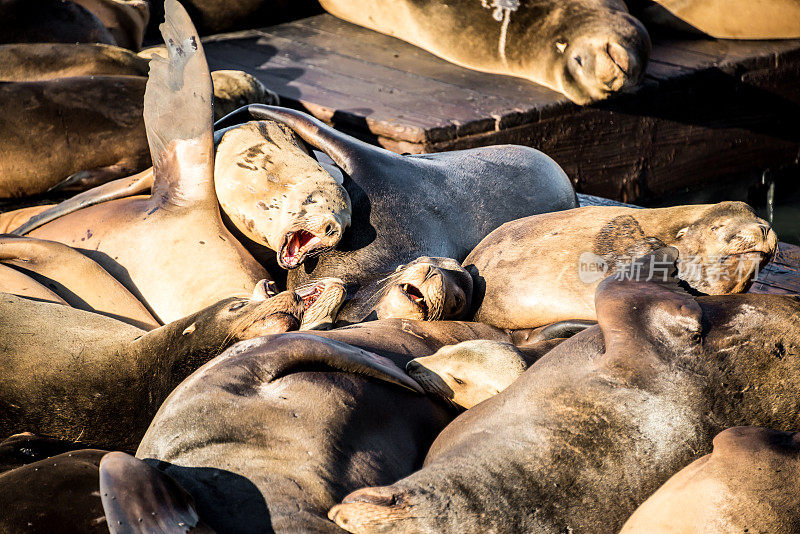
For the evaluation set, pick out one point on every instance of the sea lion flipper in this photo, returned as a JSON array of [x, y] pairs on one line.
[[139, 498], [178, 115], [339, 147], [642, 307], [123, 187]]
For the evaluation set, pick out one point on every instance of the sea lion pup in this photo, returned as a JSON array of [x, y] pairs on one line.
[[725, 19], [593, 428], [90, 376], [276, 194], [747, 484], [50, 21], [171, 248], [546, 268], [76, 279], [405, 207], [426, 289], [273, 431], [94, 491], [587, 50]]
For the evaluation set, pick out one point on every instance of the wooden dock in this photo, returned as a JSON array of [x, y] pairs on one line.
[[708, 109]]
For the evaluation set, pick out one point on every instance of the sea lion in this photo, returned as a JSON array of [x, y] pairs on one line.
[[587, 50], [593, 428], [126, 20], [14, 282], [100, 135], [94, 491], [84, 375], [170, 249], [276, 194], [746, 484], [426, 289], [404, 207], [28, 62], [546, 268], [272, 432], [725, 19], [76, 279], [50, 21]]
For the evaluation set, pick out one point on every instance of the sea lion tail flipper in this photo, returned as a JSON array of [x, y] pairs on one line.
[[341, 148], [641, 307], [123, 187], [178, 115], [139, 498]]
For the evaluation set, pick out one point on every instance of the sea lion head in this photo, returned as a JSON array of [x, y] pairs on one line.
[[426, 289], [322, 299], [276, 194], [249, 318], [598, 54], [235, 88], [469, 372], [723, 249]]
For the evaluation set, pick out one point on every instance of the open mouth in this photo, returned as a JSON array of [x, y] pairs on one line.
[[416, 297], [297, 245], [310, 294]]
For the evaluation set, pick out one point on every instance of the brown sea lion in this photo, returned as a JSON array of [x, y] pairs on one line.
[[585, 49], [405, 207], [266, 436], [84, 375], [17, 283], [170, 249], [94, 491], [29, 62], [546, 268], [593, 428], [725, 19], [747, 484], [50, 21], [76, 279], [126, 20]]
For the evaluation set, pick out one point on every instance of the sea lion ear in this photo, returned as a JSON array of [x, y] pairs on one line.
[[179, 115], [370, 509], [140, 498], [641, 307]]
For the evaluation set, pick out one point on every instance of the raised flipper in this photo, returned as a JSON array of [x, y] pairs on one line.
[[643, 312], [77, 279], [138, 498], [295, 352], [342, 149], [179, 116], [137, 184]]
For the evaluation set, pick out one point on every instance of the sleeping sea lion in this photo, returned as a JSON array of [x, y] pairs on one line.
[[94, 491], [593, 428], [746, 484], [585, 49], [126, 20], [546, 268], [50, 21], [171, 249], [76, 279], [84, 375], [28, 62], [270, 433], [20, 284], [725, 19], [404, 207]]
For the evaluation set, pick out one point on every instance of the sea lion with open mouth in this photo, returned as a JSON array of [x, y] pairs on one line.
[[404, 207], [585, 49], [545, 268]]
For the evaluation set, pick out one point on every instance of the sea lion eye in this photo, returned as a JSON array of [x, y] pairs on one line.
[[237, 306], [458, 381], [561, 46], [681, 232]]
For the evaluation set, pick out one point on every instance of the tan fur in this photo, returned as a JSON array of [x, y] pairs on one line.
[[17, 283]]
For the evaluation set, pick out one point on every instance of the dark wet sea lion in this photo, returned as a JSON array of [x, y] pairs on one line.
[[746, 484], [426, 289], [546, 268], [171, 249], [405, 207], [272, 432], [87, 376], [725, 19], [76, 279], [586, 49], [50, 21], [593, 428], [94, 491]]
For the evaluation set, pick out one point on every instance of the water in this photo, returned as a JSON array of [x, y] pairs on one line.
[[774, 195]]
